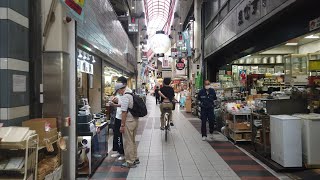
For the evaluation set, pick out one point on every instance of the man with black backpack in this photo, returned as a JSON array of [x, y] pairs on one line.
[[132, 108]]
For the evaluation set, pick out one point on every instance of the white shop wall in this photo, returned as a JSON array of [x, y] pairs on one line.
[[310, 47]]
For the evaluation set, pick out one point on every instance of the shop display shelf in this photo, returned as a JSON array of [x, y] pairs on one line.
[[29, 163], [13, 145], [240, 131], [21, 170], [243, 140], [240, 114]]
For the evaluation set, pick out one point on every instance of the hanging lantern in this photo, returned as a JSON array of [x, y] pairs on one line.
[[160, 43]]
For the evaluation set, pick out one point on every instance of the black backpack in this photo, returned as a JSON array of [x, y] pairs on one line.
[[139, 108]]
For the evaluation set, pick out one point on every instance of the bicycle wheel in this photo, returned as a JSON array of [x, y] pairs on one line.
[[166, 129]]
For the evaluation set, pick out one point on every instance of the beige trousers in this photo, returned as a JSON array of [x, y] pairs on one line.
[[129, 137], [162, 107]]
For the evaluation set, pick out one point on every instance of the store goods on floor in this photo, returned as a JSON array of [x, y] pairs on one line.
[[249, 120], [49, 163], [18, 153]]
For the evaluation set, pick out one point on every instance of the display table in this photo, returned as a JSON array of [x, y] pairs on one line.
[[92, 149], [240, 126]]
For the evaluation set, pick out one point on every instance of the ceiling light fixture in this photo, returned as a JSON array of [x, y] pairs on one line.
[[312, 37], [292, 44], [80, 54], [93, 60]]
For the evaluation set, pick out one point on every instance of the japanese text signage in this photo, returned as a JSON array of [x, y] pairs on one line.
[[250, 9], [314, 24], [133, 26]]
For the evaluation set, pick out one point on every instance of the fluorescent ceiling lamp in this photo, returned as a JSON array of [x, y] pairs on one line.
[[312, 37], [291, 44], [80, 54]]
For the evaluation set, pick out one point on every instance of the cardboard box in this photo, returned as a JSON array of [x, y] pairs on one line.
[[242, 126], [247, 136], [238, 137], [188, 105], [46, 128]]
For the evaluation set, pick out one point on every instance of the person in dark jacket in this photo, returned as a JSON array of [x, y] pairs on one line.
[[156, 94], [207, 96]]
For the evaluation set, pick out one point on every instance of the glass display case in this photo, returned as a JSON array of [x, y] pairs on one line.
[[296, 69]]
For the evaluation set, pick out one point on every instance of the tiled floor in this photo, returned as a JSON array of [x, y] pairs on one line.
[[183, 157]]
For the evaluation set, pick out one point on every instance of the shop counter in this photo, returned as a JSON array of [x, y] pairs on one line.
[[92, 149]]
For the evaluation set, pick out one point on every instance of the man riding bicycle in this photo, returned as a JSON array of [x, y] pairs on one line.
[[166, 102]]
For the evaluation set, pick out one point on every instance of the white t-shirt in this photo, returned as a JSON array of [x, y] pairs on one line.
[[126, 103], [119, 111]]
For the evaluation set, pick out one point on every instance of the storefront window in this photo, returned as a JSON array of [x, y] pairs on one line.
[[215, 7], [223, 12], [233, 3]]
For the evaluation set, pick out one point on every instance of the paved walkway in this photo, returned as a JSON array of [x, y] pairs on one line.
[[183, 157]]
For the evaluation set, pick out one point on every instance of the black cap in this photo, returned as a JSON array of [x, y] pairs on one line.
[[122, 80]]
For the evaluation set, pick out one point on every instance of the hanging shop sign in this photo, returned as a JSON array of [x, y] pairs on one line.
[[314, 24], [186, 37], [165, 64], [180, 42], [180, 64], [133, 26], [174, 52], [75, 7]]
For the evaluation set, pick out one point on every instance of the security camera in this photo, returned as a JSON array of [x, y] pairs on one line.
[[67, 19]]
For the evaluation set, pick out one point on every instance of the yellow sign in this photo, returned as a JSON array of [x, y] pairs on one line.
[[314, 65]]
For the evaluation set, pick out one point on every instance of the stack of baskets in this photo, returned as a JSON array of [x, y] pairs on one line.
[[47, 166]]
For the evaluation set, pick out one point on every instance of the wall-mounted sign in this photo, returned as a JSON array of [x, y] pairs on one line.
[[314, 24], [133, 28], [165, 63], [84, 66], [133, 25], [250, 9], [19, 83], [75, 7], [180, 64]]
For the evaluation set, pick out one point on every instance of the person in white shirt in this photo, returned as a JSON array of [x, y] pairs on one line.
[[129, 126], [117, 135]]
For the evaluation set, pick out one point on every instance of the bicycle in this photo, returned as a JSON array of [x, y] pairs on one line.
[[166, 122]]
